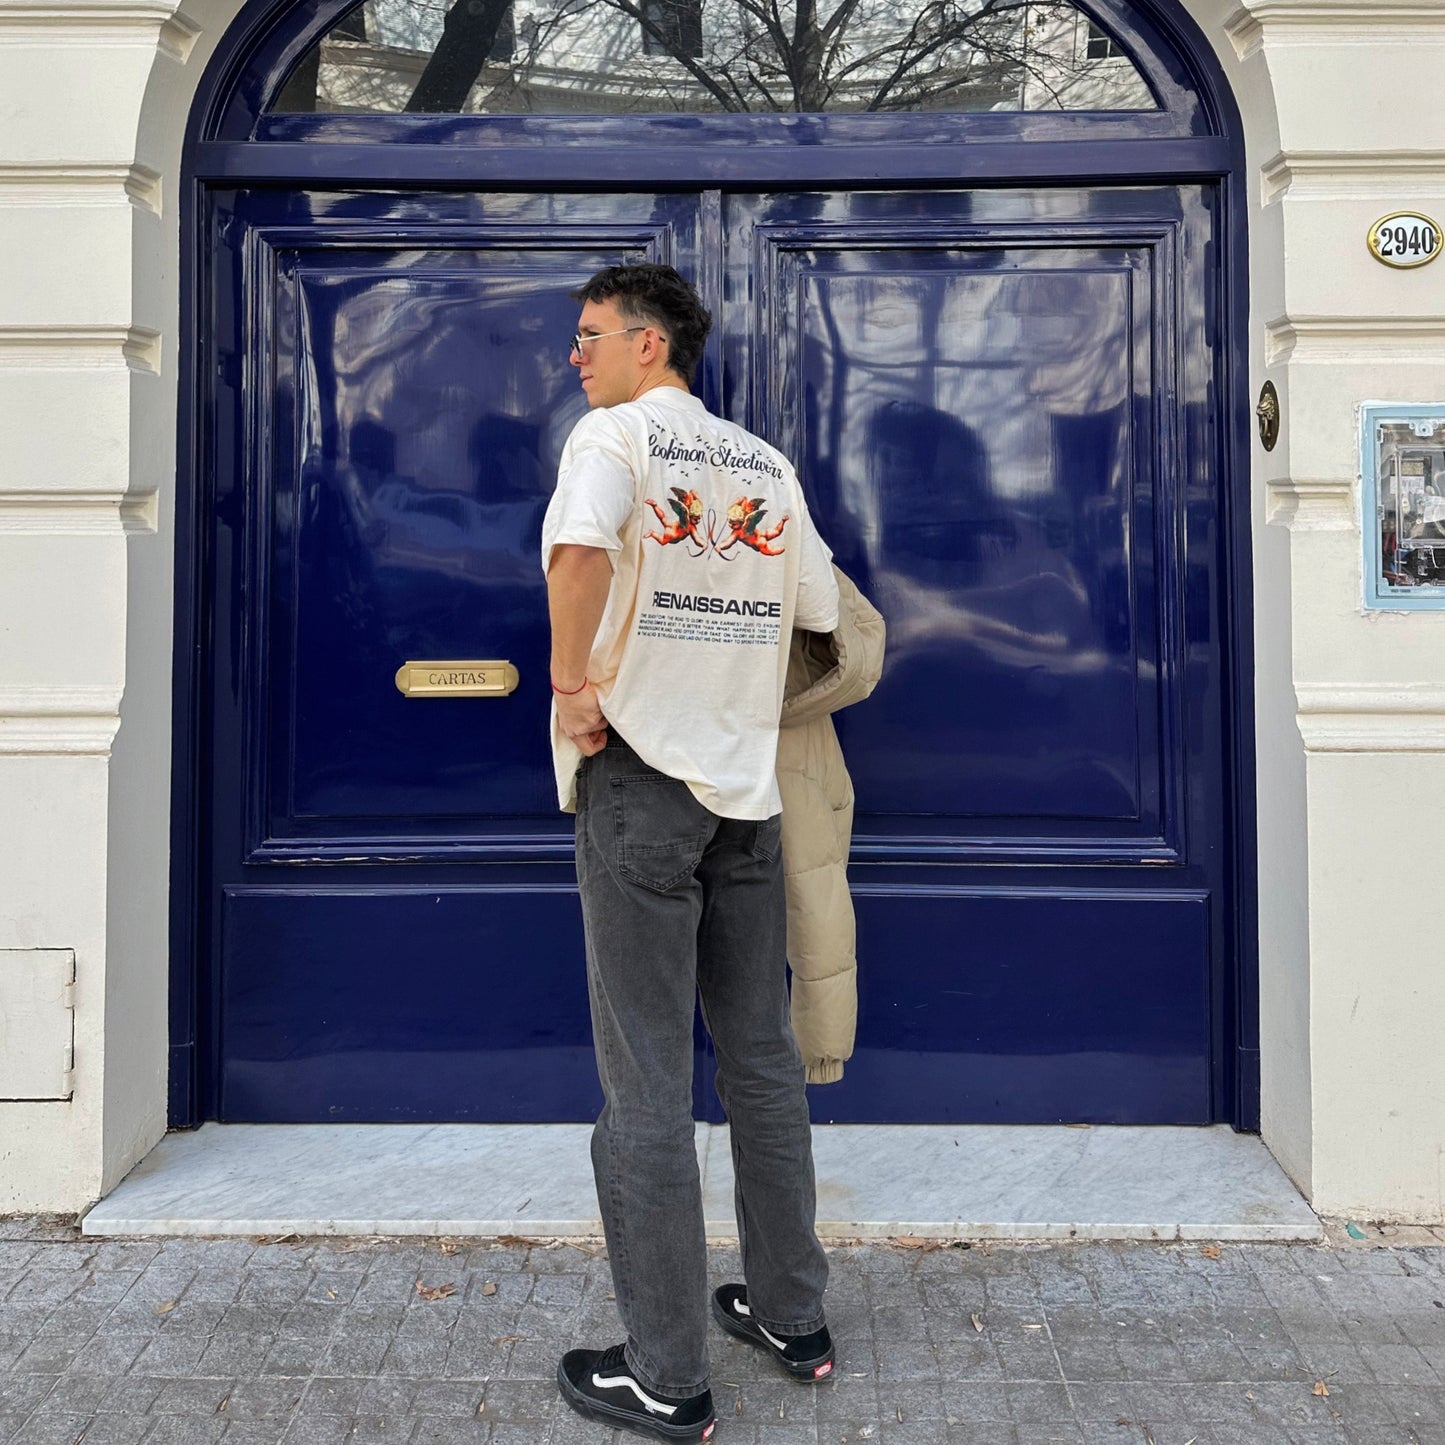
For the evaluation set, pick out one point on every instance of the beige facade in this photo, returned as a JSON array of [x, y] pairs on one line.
[[1343, 123]]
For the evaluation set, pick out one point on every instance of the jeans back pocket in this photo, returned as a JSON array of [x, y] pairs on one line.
[[661, 830], [768, 838]]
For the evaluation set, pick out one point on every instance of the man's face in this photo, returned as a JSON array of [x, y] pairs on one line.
[[608, 366]]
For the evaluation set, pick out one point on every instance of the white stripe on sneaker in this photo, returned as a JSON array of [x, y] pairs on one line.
[[657, 1407], [742, 1309]]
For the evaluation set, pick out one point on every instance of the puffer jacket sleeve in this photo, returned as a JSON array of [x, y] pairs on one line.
[[817, 823], [833, 671], [825, 672]]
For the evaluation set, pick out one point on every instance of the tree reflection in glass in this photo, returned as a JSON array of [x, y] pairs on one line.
[[657, 56]]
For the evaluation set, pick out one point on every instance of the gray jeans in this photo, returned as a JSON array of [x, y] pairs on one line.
[[677, 902]]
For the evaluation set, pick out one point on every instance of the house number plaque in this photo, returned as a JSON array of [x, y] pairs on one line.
[[450, 678], [1404, 240]]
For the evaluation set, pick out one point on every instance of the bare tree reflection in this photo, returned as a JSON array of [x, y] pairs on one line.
[[618, 56]]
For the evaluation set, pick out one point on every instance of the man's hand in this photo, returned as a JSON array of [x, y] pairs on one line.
[[581, 720]]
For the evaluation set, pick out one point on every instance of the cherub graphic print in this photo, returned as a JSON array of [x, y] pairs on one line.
[[715, 560], [743, 520]]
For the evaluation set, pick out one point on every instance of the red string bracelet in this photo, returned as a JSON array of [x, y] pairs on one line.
[[565, 693]]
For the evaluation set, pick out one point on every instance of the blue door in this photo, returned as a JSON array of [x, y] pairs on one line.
[[991, 400], [1012, 407]]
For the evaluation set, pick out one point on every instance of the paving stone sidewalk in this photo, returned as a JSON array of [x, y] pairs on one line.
[[431, 1342]]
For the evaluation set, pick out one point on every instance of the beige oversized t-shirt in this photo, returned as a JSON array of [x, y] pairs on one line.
[[715, 560]]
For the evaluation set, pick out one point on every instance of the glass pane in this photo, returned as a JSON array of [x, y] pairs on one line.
[[1409, 471], [600, 57]]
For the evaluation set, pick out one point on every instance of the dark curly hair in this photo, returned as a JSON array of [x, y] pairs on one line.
[[650, 295]]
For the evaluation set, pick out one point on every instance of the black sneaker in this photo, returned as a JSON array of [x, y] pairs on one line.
[[599, 1385], [804, 1357]]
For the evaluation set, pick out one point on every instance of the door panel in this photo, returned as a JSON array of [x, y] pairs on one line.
[[384, 548], [395, 931], [364, 1004], [412, 405], [986, 399], [1000, 407], [1023, 1006], [976, 419], [1003, 559]]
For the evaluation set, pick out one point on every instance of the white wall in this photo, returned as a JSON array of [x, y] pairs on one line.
[[1354, 1086], [1343, 121], [87, 407]]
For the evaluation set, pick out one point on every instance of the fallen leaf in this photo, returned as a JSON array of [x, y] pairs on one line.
[[978, 1323], [1249, 1394], [506, 1339], [1209, 1251], [167, 1307], [916, 1241], [738, 1405], [225, 1400], [447, 1247], [515, 1239], [489, 1288], [482, 1408], [611, 1296], [1320, 1388], [435, 1291], [331, 1294], [899, 1411]]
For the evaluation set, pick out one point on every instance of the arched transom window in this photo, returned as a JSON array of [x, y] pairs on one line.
[[574, 57]]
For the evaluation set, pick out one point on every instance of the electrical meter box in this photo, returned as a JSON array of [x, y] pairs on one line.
[[1402, 467]]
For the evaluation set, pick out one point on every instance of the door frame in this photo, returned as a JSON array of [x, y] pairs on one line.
[[1196, 136]]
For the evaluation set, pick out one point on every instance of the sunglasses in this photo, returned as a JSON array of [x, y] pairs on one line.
[[579, 341]]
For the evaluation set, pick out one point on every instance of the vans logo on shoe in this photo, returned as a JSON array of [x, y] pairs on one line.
[[825, 1369], [653, 1406], [708, 1429], [767, 1334]]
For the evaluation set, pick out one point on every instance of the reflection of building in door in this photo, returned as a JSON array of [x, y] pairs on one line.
[[619, 56]]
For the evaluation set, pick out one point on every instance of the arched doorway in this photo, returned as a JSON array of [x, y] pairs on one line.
[[996, 326]]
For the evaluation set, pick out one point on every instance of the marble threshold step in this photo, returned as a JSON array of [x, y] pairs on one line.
[[874, 1181]]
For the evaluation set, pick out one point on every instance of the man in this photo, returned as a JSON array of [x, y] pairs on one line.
[[679, 556]]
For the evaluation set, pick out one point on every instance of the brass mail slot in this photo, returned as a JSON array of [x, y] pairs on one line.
[[451, 678]]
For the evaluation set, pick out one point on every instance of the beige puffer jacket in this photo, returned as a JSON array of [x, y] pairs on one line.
[[826, 671]]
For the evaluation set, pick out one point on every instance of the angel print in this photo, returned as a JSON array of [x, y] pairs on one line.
[[687, 511], [744, 519]]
